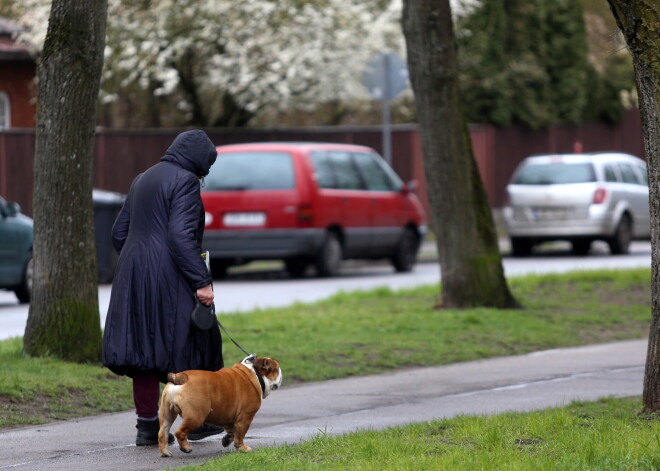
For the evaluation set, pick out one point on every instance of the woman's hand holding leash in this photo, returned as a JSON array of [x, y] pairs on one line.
[[205, 295]]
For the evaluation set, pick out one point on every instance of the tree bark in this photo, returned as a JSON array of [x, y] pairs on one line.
[[470, 261], [63, 319], [639, 21]]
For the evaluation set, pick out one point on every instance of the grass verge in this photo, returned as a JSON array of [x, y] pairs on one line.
[[603, 435], [360, 333], [38, 390]]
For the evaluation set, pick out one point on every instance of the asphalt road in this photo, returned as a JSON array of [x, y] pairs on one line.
[[293, 413], [263, 289]]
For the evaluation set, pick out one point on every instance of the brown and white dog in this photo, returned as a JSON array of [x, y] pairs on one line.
[[229, 398]]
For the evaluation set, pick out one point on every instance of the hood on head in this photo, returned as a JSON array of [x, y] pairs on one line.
[[192, 150]]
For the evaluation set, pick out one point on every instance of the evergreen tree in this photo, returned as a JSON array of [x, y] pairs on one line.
[[566, 61], [525, 62]]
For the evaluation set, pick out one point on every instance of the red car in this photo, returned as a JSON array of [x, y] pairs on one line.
[[308, 204]]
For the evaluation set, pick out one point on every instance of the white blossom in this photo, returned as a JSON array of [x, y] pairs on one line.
[[266, 54]]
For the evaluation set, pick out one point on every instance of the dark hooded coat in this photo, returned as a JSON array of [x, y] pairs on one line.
[[158, 236]]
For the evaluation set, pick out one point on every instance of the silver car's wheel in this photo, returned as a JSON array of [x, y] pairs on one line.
[[620, 242]]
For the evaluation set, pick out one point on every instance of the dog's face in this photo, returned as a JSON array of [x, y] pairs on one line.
[[269, 369]]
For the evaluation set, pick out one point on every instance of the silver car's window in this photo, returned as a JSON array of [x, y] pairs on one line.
[[644, 174], [628, 174], [250, 171], [555, 173], [610, 174]]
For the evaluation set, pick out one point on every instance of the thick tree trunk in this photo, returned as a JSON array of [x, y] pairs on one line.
[[639, 21], [64, 315], [471, 265]]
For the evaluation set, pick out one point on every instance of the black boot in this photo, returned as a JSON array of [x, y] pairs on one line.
[[203, 431], [147, 432]]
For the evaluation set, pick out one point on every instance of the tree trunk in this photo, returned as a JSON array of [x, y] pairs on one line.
[[471, 265], [63, 319], [639, 21], [186, 68]]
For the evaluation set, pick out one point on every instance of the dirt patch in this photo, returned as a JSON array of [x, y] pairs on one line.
[[41, 409], [634, 295]]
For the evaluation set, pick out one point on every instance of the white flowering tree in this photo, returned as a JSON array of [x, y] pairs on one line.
[[221, 62]]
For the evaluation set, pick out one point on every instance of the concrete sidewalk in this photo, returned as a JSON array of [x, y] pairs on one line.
[[520, 383]]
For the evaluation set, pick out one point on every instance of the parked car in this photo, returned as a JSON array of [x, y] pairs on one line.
[[15, 251], [579, 198], [308, 204]]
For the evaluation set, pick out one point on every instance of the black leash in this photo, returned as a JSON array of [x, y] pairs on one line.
[[207, 256], [234, 341], [259, 377]]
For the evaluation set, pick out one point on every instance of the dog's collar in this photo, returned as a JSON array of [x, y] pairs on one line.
[[262, 383]]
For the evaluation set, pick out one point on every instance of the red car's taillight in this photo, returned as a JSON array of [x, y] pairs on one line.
[[305, 215], [600, 195]]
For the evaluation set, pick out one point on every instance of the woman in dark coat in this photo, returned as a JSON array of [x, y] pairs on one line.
[[158, 236]]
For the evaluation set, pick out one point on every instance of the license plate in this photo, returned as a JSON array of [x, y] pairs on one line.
[[541, 214], [244, 219]]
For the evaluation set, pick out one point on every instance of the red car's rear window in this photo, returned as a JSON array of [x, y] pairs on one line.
[[257, 170]]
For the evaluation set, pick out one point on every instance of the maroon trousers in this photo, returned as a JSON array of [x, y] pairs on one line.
[[146, 392]]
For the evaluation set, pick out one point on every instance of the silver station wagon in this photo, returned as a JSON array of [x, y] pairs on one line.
[[578, 198]]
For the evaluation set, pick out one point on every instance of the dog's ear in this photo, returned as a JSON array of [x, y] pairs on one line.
[[266, 364]]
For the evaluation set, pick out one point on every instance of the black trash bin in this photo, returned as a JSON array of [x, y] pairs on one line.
[[106, 208]]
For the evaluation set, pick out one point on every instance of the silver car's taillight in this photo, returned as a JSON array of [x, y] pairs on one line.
[[600, 195]]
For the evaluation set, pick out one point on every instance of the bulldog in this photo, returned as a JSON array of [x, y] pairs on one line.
[[229, 398]]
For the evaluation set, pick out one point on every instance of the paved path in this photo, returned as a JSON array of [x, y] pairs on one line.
[[293, 413]]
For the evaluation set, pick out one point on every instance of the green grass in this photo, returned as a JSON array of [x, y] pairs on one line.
[[598, 436], [381, 330], [358, 334], [34, 391]]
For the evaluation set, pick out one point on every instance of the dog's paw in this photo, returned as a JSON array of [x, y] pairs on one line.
[[243, 448], [187, 449], [166, 454], [227, 439]]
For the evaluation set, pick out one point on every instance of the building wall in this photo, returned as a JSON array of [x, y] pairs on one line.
[[17, 81]]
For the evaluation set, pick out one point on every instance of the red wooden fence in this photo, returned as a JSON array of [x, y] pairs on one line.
[[122, 154]]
